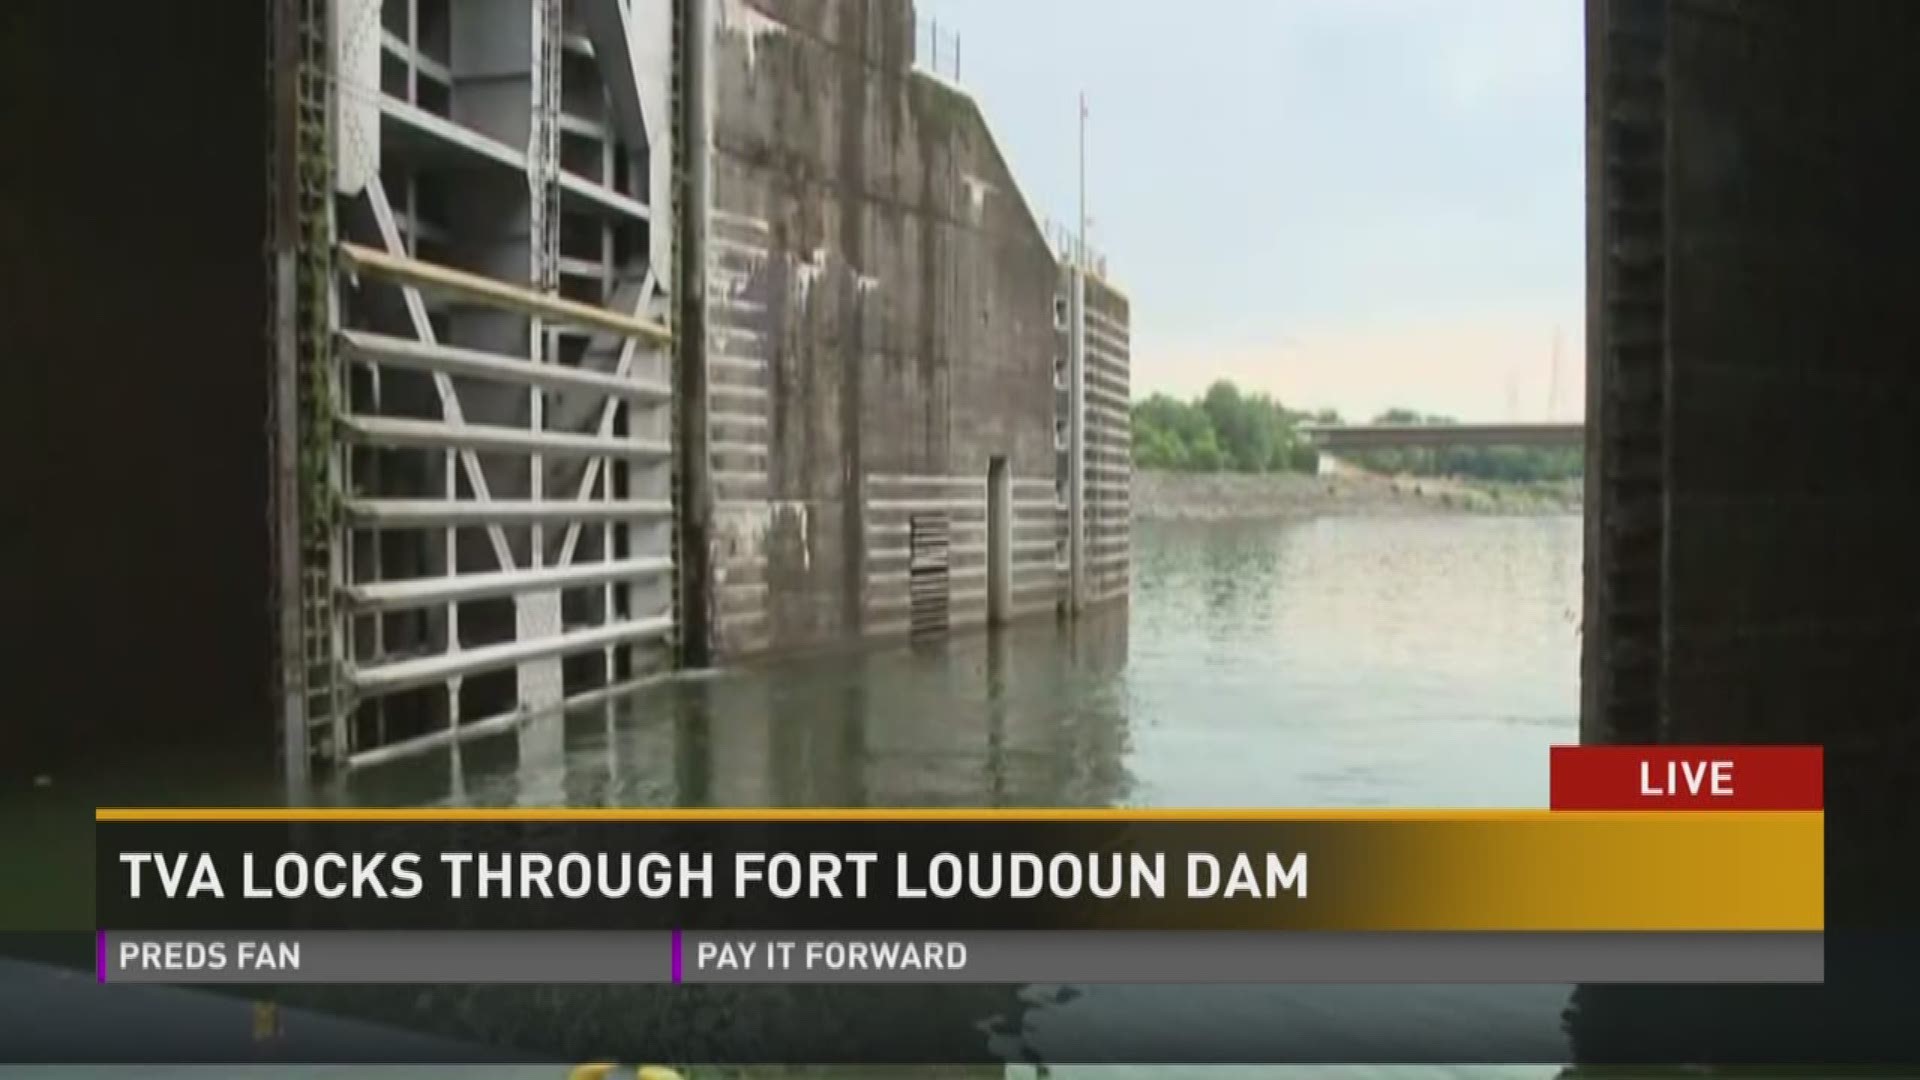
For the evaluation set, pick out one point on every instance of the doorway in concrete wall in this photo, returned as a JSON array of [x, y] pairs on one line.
[[999, 541]]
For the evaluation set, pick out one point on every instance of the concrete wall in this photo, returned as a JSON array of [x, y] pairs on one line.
[[1793, 578], [1763, 434], [1789, 401], [1109, 436], [1793, 610], [882, 325], [1626, 378], [136, 368]]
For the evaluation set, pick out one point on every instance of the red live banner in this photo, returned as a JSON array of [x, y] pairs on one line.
[[1688, 778]]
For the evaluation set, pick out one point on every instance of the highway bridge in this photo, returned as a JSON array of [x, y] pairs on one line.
[[1338, 437]]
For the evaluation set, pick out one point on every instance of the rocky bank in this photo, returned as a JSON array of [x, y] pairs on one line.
[[1169, 496]]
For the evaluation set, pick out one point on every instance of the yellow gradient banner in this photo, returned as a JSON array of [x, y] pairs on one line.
[[1326, 870]]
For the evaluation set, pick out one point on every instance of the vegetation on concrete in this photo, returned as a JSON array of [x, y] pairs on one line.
[[1226, 430]]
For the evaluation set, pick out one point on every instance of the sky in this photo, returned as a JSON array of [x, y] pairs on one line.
[[1354, 204]]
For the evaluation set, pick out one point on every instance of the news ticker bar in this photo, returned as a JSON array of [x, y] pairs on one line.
[[1347, 871], [977, 957]]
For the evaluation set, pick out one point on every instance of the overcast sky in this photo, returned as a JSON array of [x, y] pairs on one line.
[[1355, 203]]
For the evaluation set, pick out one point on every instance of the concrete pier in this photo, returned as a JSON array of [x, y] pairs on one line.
[[1752, 418], [883, 303]]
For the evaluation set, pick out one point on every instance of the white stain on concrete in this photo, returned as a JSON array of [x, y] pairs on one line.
[[741, 17], [977, 192], [796, 510], [806, 272], [739, 535], [741, 529], [745, 221]]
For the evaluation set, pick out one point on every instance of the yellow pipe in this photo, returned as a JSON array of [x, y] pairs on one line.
[[428, 275]]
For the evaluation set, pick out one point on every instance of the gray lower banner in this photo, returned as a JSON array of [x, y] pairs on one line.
[[1136, 957]]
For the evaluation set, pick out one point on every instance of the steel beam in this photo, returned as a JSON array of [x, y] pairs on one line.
[[450, 407], [431, 670], [494, 367], [453, 135], [1077, 435], [428, 513], [412, 593], [608, 26], [432, 435], [603, 197]]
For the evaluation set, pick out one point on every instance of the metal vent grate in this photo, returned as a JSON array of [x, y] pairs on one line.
[[928, 584]]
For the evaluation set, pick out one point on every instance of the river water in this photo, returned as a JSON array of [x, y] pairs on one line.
[[1379, 661]]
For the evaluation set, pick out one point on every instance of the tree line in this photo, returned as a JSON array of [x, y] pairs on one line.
[[1223, 430], [1226, 430]]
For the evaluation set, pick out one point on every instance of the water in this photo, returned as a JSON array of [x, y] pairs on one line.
[[1422, 661], [1419, 661]]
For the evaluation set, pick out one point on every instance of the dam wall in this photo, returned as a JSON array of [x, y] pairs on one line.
[[1752, 409], [1106, 377], [137, 368], [885, 335]]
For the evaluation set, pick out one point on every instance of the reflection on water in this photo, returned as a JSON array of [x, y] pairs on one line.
[[1027, 717], [1419, 661], [1345, 662]]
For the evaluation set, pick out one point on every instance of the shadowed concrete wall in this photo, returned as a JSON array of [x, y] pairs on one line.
[[1793, 604], [131, 248], [1791, 422], [881, 304], [1755, 311]]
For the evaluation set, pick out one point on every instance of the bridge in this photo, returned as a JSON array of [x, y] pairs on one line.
[[1337, 437]]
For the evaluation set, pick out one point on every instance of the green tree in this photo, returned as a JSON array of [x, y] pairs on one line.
[[1157, 448], [1223, 429], [1242, 433], [1205, 453]]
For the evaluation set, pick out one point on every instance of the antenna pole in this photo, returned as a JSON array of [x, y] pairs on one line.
[[1081, 256], [1076, 394]]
